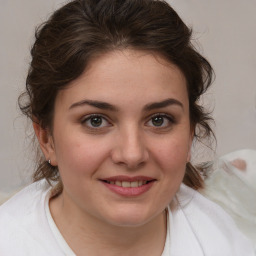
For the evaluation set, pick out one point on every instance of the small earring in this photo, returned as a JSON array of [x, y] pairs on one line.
[[49, 161]]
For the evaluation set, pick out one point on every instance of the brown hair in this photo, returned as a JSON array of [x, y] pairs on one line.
[[82, 29]]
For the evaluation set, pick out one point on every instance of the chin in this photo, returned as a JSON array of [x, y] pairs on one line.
[[129, 222], [127, 217]]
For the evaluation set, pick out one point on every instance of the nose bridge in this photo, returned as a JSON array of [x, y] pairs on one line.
[[131, 148]]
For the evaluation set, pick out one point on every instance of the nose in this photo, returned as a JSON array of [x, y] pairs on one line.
[[130, 149]]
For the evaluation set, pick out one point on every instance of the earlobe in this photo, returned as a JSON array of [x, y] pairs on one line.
[[46, 143]]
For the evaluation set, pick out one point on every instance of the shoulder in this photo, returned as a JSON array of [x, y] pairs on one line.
[[23, 224], [212, 227], [24, 202]]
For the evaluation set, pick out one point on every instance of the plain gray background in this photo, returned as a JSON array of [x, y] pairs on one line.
[[225, 30]]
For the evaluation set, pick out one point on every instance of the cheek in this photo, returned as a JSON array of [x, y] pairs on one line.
[[79, 156], [172, 155]]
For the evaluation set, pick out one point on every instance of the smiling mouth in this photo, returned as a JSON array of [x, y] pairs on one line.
[[127, 184]]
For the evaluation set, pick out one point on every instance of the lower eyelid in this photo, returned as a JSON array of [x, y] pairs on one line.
[[88, 117], [169, 121]]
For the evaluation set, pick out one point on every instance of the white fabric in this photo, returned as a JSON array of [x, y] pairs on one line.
[[59, 238], [199, 227], [232, 185], [196, 227]]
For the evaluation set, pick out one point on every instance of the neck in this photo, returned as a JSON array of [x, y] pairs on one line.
[[87, 235]]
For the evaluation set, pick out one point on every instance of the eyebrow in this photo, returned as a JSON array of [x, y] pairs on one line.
[[162, 104], [107, 106], [94, 103]]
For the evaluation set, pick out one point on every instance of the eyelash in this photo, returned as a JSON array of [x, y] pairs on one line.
[[171, 120], [90, 117]]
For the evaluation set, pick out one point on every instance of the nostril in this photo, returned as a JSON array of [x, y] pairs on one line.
[[130, 149]]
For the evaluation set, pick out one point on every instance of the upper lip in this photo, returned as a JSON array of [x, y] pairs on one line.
[[128, 178]]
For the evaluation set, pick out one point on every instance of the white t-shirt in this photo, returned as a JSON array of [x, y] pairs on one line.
[[195, 227]]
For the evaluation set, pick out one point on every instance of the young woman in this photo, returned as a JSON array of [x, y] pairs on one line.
[[113, 92]]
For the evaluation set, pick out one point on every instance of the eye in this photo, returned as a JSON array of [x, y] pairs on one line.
[[95, 121], [160, 120]]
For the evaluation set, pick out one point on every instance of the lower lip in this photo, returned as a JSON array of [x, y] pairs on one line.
[[129, 192]]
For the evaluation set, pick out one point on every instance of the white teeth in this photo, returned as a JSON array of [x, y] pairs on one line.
[[134, 184], [127, 184], [118, 183]]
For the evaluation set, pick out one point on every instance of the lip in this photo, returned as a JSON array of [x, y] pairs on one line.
[[130, 191], [127, 178]]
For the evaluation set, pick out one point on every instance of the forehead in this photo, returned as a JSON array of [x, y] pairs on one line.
[[127, 76]]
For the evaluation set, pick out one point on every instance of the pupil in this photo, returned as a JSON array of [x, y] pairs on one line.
[[157, 121], [96, 121]]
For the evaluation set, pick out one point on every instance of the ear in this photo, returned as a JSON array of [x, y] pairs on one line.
[[46, 143]]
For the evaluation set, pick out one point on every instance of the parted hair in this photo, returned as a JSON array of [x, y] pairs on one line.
[[83, 29]]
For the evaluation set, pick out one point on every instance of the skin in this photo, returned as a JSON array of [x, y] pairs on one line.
[[130, 141]]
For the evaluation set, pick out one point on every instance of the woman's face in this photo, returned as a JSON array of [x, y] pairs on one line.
[[122, 137]]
